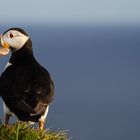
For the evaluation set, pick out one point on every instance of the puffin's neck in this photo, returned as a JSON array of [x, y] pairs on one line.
[[23, 55]]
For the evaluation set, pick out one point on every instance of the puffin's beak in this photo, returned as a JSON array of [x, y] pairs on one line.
[[4, 49]]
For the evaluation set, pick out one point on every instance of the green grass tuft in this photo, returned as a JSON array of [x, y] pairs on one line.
[[23, 131]]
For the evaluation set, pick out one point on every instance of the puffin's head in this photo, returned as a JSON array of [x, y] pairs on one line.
[[12, 40]]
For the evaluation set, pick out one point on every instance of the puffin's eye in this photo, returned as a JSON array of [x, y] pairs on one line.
[[11, 35]]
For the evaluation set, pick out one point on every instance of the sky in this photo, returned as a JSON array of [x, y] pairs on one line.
[[71, 11]]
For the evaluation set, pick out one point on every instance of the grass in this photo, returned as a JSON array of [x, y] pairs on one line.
[[23, 131]]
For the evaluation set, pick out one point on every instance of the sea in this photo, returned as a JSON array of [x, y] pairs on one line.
[[96, 72]]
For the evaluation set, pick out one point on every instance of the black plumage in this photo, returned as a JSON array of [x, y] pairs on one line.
[[25, 86]]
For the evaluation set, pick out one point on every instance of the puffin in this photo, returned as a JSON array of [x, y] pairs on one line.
[[26, 87]]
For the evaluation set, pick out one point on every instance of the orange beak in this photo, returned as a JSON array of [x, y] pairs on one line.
[[4, 49]]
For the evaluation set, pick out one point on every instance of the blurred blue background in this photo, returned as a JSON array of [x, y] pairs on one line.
[[92, 50]]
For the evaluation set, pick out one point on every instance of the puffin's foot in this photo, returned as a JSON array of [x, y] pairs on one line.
[[41, 125]]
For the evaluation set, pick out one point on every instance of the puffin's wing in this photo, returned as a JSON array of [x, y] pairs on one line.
[[20, 92], [44, 101], [22, 105], [37, 102]]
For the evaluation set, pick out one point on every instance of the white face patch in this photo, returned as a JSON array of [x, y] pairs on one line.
[[14, 38]]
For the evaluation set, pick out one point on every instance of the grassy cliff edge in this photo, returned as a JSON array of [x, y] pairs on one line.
[[22, 131]]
